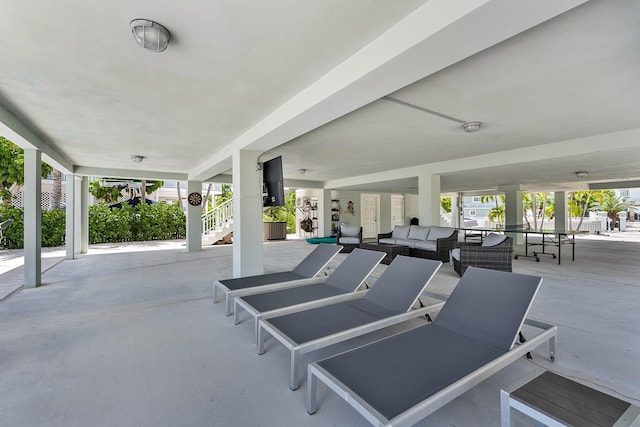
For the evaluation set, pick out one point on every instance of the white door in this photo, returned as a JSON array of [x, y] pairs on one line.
[[397, 210], [370, 204]]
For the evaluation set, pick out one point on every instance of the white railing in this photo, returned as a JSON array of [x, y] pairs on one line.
[[592, 226], [446, 216], [217, 218]]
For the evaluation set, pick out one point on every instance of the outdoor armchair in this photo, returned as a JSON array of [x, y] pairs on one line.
[[494, 253], [349, 237]]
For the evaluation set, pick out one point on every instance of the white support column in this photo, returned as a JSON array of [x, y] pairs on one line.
[[70, 223], [194, 219], [456, 211], [324, 214], [84, 215], [429, 199], [32, 218], [77, 215], [248, 233], [513, 210], [560, 210]]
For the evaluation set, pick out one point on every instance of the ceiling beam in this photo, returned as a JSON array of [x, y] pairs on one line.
[[433, 37], [23, 136]]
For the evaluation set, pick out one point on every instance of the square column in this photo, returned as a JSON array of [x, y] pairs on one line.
[[429, 199], [84, 215], [324, 214], [32, 218], [194, 219], [77, 214], [248, 231], [513, 211], [457, 220], [560, 210], [69, 241]]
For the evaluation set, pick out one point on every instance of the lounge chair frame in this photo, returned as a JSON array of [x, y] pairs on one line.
[[418, 284], [298, 349], [419, 411], [259, 315], [231, 294], [463, 376], [294, 308]]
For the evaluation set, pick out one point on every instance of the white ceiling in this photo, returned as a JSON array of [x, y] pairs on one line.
[[555, 84]]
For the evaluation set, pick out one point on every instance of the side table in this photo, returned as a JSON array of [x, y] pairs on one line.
[[391, 250], [557, 401]]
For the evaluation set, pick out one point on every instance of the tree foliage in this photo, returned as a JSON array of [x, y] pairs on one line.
[[286, 213], [110, 194], [12, 169], [141, 223], [445, 203], [226, 194]]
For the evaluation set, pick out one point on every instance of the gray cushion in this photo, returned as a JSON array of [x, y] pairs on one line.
[[494, 239], [388, 241], [400, 232], [455, 254], [406, 242], [347, 231], [427, 246], [439, 232], [418, 232], [349, 240]]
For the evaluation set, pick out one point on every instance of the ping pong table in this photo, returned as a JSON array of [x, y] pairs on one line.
[[550, 238]]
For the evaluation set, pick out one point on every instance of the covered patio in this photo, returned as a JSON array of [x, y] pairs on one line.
[[415, 99], [122, 338]]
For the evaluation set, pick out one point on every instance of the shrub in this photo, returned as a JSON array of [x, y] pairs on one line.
[[143, 222]]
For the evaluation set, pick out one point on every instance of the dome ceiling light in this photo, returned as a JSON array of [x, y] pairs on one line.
[[150, 35]]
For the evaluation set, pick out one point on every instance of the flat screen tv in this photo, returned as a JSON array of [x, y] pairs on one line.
[[273, 183]]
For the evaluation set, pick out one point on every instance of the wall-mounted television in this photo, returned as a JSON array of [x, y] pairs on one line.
[[273, 183]]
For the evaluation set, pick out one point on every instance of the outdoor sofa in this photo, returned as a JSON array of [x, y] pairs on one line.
[[431, 242], [401, 379]]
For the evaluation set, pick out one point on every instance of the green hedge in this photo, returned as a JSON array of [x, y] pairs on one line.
[[140, 223]]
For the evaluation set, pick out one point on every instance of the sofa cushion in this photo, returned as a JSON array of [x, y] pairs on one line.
[[439, 233], [427, 246], [455, 254], [494, 239], [400, 232], [418, 232], [349, 240], [388, 241], [347, 231], [406, 242]]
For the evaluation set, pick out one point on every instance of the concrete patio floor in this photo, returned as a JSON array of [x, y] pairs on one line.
[[122, 338]]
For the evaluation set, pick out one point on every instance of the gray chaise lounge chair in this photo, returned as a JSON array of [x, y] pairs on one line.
[[389, 301], [401, 379], [304, 273], [340, 285]]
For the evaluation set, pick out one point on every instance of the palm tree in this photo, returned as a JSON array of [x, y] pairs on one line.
[[497, 214], [612, 204], [580, 202], [56, 190]]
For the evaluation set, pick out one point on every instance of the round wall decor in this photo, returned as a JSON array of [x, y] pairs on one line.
[[195, 199]]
